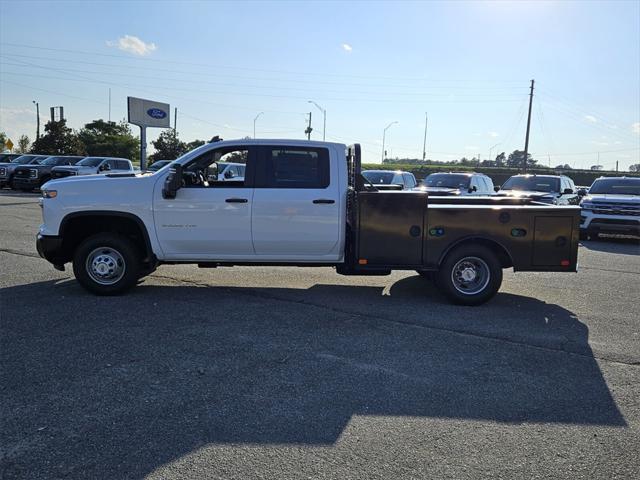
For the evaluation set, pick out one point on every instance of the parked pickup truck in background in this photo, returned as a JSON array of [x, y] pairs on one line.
[[30, 177], [93, 166], [7, 170], [552, 189], [300, 203], [611, 206]]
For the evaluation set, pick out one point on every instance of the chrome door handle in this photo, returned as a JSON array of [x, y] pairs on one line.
[[236, 200], [324, 200]]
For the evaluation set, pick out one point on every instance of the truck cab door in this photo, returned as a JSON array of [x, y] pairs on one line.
[[297, 205], [208, 219]]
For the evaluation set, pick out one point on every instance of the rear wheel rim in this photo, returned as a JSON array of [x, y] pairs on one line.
[[105, 266], [470, 275]]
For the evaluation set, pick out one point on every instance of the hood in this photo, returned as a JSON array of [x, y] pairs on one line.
[[441, 190], [611, 198], [525, 193]]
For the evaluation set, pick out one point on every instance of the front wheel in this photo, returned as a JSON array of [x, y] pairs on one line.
[[470, 275], [107, 264]]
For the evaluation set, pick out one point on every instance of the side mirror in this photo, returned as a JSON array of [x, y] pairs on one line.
[[496, 188], [228, 174], [104, 167], [173, 182], [567, 191], [473, 189], [582, 192]]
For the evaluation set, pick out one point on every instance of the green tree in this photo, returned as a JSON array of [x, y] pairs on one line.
[[23, 144], [516, 159], [58, 140], [168, 146], [3, 139], [501, 159], [111, 139], [635, 167], [195, 144]]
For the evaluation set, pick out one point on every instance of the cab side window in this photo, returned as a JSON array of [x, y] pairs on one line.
[[292, 167], [209, 169], [409, 180], [489, 183]]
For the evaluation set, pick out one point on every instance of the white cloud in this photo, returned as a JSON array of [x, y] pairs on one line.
[[635, 127], [590, 118], [347, 48], [133, 45], [471, 147], [600, 144], [493, 134]]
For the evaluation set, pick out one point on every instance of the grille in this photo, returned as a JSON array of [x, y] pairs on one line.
[[22, 173], [62, 174], [616, 209]]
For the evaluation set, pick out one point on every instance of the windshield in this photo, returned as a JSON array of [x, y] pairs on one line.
[[90, 162], [616, 186], [379, 178], [533, 184], [23, 160], [159, 164], [447, 180]]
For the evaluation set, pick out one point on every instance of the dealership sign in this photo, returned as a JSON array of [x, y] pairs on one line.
[[148, 113]]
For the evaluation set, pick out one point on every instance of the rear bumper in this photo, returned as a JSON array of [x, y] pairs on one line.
[[50, 248]]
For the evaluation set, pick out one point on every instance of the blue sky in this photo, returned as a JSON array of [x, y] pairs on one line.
[[468, 64]]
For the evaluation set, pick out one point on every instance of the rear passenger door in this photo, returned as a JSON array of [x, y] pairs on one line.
[[296, 207]]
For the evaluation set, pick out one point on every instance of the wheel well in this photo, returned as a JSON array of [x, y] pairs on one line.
[[77, 228], [501, 253]]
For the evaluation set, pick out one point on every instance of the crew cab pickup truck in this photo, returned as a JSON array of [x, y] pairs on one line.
[[93, 166], [300, 203], [33, 176]]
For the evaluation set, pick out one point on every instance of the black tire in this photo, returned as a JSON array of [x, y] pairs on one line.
[[115, 267], [477, 260]]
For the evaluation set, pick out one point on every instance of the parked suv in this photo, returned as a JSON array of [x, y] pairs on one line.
[[94, 165], [390, 180], [553, 189], [8, 169], [30, 177], [457, 183], [612, 206]]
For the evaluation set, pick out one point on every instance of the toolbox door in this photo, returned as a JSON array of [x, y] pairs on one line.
[[552, 241]]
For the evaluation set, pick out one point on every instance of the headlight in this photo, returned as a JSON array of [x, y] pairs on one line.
[[33, 173], [549, 200], [587, 205], [49, 193]]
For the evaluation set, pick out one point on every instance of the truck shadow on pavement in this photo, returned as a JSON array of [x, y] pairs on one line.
[[117, 387]]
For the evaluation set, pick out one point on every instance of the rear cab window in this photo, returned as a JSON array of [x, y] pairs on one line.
[[293, 167]]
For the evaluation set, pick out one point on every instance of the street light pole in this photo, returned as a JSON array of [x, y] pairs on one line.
[[254, 124], [37, 119], [384, 135], [324, 115]]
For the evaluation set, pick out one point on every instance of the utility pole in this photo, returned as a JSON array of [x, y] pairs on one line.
[[616, 165], [309, 129], [384, 134], [175, 120], [526, 140], [109, 105], [424, 142], [254, 123], [37, 119]]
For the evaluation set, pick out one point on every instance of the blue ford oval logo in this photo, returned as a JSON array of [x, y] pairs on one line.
[[156, 113]]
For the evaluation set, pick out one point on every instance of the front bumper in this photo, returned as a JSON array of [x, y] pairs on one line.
[[50, 248], [620, 224], [26, 183]]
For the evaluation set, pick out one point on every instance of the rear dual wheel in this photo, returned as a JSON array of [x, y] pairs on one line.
[[469, 275]]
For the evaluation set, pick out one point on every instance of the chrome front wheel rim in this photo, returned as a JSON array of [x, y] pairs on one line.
[[105, 266], [470, 275]]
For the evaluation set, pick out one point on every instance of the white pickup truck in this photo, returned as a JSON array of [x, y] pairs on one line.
[[299, 203]]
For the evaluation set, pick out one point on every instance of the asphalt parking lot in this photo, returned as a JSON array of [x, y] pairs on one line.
[[300, 373]]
